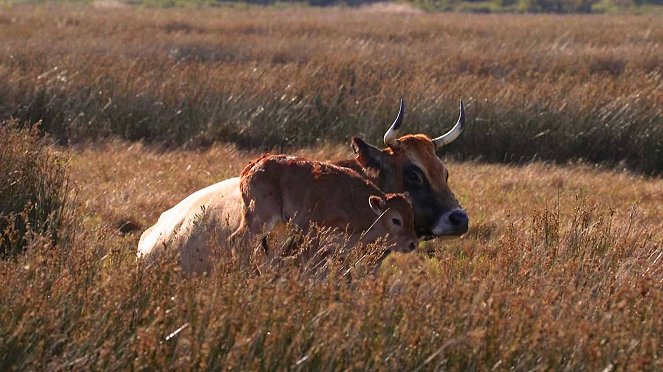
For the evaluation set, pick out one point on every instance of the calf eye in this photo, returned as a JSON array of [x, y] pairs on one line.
[[413, 177], [396, 221]]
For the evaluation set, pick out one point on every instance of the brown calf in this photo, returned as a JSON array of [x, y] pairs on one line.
[[278, 188]]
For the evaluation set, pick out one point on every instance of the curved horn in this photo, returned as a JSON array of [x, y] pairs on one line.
[[392, 134], [451, 135]]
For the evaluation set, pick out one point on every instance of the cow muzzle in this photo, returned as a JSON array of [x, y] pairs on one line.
[[453, 223]]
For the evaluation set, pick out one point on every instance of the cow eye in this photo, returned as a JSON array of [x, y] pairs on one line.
[[413, 177], [396, 221]]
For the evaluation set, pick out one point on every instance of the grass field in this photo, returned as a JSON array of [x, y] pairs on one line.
[[563, 264], [536, 86]]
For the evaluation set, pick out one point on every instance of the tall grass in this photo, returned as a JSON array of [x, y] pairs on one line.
[[545, 87], [561, 268], [543, 280], [33, 189], [574, 293]]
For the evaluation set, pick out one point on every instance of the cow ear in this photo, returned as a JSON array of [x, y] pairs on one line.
[[367, 155], [377, 203]]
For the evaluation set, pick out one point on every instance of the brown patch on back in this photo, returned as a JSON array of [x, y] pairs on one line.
[[317, 168], [350, 164], [317, 171], [252, 163], [371, 174]]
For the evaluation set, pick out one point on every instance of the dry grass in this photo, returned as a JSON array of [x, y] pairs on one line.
[[33, 189], [546, 87], [561, 269]]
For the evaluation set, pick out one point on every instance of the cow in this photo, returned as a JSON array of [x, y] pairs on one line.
[[280, 189], [408, 163]]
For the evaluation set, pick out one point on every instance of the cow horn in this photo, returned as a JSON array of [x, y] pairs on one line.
[[390, 137], [451, 135]]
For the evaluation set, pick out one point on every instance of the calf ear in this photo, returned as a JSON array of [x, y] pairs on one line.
[[367, 155], [377, 203]]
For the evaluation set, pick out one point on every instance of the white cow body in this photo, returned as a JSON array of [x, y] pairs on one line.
[[208, 215]]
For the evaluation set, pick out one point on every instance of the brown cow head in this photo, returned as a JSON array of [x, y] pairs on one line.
[[409, 164]]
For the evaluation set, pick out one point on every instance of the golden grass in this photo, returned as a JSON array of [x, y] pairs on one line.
[[536, 86], [561, 269], [154, 181], [33, 189]]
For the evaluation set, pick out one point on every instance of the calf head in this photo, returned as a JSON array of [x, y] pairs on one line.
[[394, 219]]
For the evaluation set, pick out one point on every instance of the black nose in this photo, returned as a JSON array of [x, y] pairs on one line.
[[459, 221], [413, 246]]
